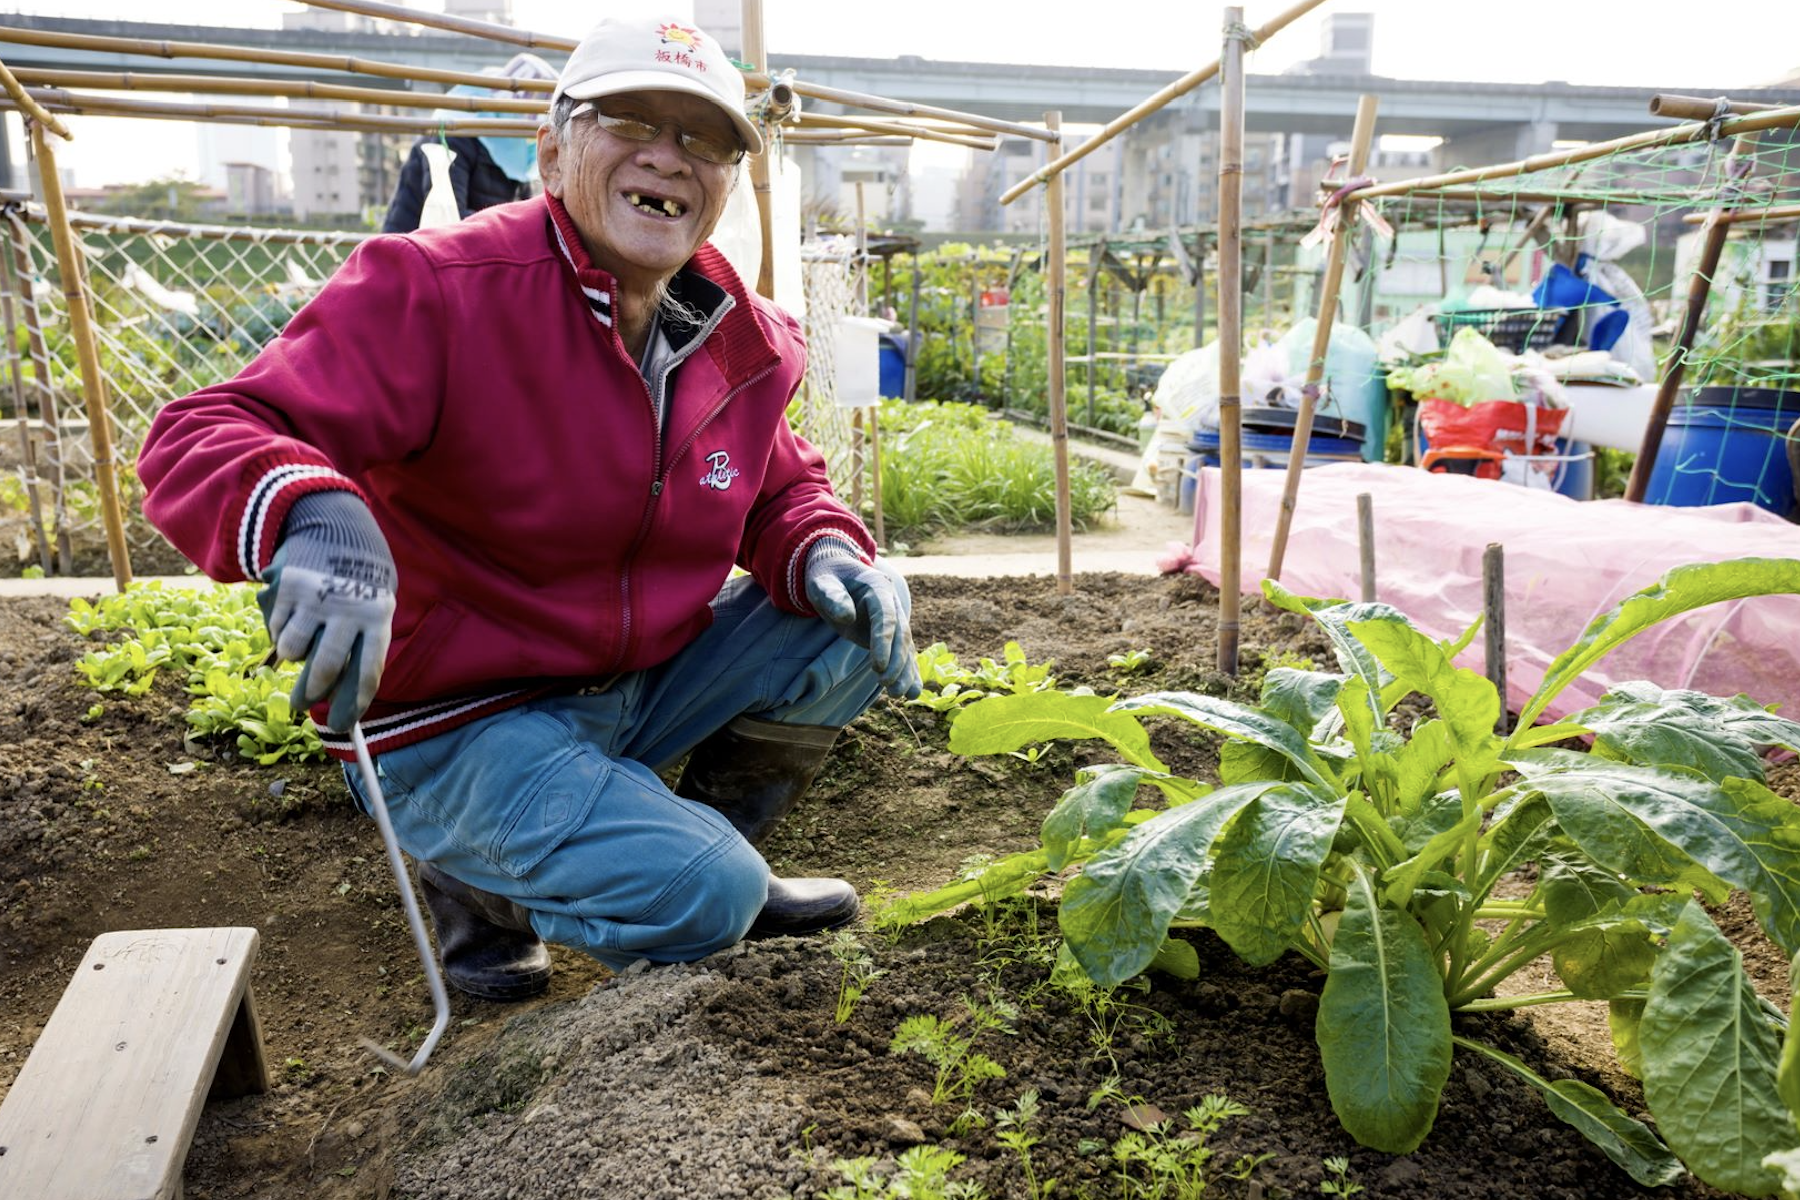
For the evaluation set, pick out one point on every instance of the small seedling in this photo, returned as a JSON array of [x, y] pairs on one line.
[[859, 972], [1340, 1184], [1159, 1162], [959, 1066], [1132, 661], [1012, 1129]]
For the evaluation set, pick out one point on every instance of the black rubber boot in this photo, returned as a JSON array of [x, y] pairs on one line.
[[753, 772], [485, 941]]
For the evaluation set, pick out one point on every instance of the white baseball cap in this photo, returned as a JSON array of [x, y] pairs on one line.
[[657, 54]]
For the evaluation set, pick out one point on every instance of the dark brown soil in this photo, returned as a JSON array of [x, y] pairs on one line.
[[729, 1077]]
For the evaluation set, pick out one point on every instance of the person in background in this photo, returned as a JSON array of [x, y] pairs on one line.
[[495, 479], [484, 171]]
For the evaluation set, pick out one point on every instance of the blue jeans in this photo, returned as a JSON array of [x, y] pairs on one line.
[[556, 804]]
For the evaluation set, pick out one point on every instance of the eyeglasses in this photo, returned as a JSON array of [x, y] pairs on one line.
[[708, 147]]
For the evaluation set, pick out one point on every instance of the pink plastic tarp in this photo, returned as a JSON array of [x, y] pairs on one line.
[[1567, 561]]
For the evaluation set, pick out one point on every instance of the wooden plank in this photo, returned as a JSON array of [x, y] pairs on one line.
[[107, 1103]]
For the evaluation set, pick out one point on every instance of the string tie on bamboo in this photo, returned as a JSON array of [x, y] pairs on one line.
[[1331, 209], [1715, 124], [1241, 32]]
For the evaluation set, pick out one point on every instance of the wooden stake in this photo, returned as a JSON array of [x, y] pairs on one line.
[[1362, 136], [1231, 337], [1736, 169], [1054, 285], [1365, 543], [1493, 606], [1161, 99], [93, 384]]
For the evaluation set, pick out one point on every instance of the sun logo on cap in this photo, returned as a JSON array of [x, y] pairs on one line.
[[679, 34]]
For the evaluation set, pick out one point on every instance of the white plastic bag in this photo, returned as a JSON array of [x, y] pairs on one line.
[[1268, 380], [1606, 238], [440, 202]]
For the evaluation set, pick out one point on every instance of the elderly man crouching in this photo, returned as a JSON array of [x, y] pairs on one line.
[[495, 478]]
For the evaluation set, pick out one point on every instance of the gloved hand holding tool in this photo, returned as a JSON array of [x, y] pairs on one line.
[[862, 603], [328, 598]]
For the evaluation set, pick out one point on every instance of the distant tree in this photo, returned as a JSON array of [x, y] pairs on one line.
[[172, 198]]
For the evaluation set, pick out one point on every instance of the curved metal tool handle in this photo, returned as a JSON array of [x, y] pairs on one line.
[[440, 999]]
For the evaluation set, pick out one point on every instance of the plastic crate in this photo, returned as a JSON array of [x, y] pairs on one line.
[[1513, 329]]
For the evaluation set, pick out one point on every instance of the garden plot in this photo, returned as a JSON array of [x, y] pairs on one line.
[[734, 1077]]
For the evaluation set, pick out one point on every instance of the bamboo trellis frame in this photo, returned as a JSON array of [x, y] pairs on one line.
[[1231, 337]]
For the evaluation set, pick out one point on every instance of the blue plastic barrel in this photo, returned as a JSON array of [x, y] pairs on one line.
[[892, 365], [1728, 444]]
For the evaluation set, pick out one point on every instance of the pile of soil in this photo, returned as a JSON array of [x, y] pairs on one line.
[[730, 1077]]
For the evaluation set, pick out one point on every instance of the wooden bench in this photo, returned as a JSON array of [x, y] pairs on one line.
[[107, 1103]]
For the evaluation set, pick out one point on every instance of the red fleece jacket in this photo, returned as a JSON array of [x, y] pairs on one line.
[[545, 535]]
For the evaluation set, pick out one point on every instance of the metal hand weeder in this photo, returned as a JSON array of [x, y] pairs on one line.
[[440, 999]]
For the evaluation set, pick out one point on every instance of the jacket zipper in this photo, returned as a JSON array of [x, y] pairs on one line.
[[656, 490]]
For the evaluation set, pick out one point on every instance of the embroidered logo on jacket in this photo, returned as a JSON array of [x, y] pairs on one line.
[[719, 472]]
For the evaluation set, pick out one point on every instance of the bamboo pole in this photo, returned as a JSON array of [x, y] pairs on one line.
[[1055, 283], [1735, 171], [244, 85], [1362, 136], [93, 385], [842, 137], [253, 54], [913, 334], [1161, 99], [435, 20], [904, 108], [1674, 135], [757, 56], [309, 118], [970, 138], [1096, 257], [1784, 212], [1493, 606], [1231, 337], [1697, 108], [28, 105], [862, 255], [27, 447], [49, 409]]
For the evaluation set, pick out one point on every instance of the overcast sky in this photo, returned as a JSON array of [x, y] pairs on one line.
[[1624, 43]]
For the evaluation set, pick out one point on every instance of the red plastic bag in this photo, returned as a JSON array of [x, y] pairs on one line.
[[1486, 433]]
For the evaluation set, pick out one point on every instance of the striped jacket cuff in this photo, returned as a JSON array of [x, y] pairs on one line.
[[274, 486]]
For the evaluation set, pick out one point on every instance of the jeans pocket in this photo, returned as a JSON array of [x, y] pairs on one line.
[[552, 806]]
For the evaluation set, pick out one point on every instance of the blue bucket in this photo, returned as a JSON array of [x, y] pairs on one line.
[[1728, 444]]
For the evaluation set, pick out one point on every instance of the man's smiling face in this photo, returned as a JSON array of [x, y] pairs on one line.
[[643, 208]]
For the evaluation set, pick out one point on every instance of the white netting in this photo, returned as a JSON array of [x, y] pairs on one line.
[[833, 276], [174, 307]]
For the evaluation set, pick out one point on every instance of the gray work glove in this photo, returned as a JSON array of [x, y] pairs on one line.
[[863, 604], [328, 599]]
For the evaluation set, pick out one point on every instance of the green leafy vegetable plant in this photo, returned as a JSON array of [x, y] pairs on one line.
[[1131, 661], [1375, 852], [859, 972], [948, 685], [949, 1046], [1160, 1162]]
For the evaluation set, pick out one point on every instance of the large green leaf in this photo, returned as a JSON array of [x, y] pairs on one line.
[[1625, 1140], [1234, 721], [1641, 723], [1623, 1020], [1681, 590], [1266, 865], [1573, 888], [1517, 828], [1648, 825], [1612, 952], [1709, 1058], [1301, 698], [1383, 1026], [1770, 828], [1250, 762], [1467, 702], [1096, 804], [1417, 765], [1115, 914], [1002, 724], [1333, 618]]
